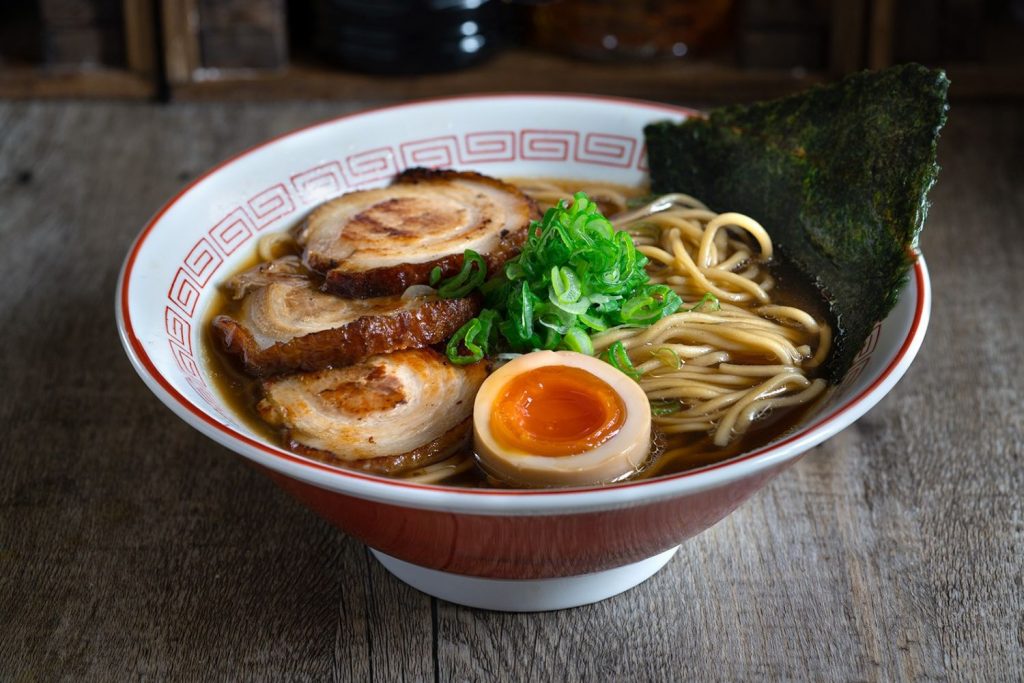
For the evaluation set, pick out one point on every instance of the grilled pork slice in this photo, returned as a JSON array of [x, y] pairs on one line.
[[284, 269], [287, 324], [377, 242], [387, 414]]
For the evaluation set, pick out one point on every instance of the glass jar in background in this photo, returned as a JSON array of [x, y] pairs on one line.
[[632, 29], [408, 36]]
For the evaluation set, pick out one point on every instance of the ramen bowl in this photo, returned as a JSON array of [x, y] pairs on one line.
[[520, 550]]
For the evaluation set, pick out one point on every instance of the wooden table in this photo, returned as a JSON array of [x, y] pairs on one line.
[[131, 546]]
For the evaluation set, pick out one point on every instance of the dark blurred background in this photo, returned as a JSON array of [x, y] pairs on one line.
[[697, 50]]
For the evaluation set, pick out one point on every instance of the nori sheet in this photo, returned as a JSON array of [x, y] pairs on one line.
[[838, 175]]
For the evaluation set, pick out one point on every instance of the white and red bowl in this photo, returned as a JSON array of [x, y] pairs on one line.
[[499, 549]]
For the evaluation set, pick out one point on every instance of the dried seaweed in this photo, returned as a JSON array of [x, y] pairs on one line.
[[839, 175]]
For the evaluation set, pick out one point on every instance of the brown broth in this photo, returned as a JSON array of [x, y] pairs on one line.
[[240, 392]]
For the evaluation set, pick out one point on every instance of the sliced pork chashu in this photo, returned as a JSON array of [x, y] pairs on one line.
[[387, 414], [378, 242], [287, 324]]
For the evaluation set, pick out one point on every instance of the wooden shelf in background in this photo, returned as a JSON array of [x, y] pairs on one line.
[[133, 76], [516, 70], [20, 82]]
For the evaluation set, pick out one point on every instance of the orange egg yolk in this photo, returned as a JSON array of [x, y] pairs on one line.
[[556, 410]]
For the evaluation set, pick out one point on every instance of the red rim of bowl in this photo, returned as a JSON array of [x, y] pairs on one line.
[[137, 350]]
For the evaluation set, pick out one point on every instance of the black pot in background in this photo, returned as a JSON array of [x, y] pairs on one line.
[[408, 36]]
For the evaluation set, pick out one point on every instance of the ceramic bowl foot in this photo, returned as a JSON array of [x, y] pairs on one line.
[[533, 595]]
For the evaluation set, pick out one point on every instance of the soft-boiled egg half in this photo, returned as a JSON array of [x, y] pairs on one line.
[[560, 418]]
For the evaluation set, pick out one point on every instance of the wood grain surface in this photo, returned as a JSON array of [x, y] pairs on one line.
[[132, 547]]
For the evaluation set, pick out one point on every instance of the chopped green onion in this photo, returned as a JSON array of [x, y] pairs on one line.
[[496, 292], [665, 406], [552, 339], [668, 356], [579, 341], [708, 298], [565, 286], [435, 276], [472, 275], [617, 357], [576, 308], [593, 322], [555, 318], [575, 276], [652, 304], [514, 271], [521, 302], [474, 337]]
